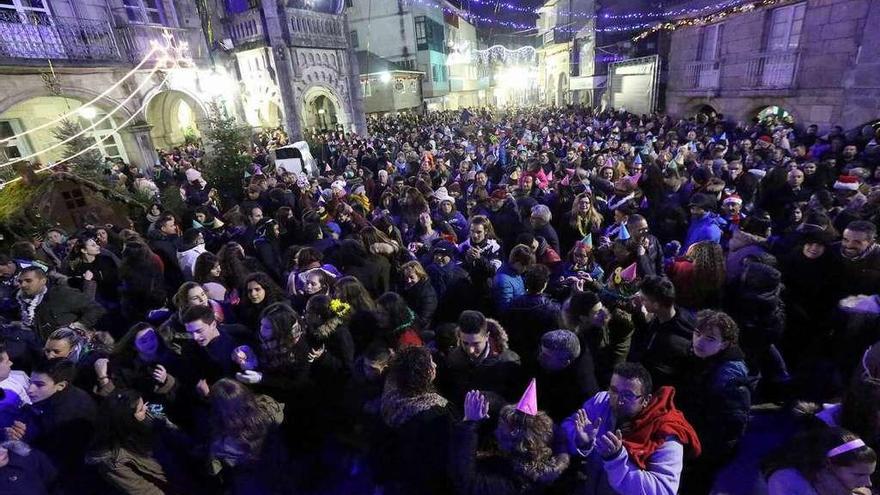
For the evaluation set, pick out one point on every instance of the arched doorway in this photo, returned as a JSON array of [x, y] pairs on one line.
[[562, 90], [32, 113], [775, 114], [271, 116], [320, 111], [174, 117]]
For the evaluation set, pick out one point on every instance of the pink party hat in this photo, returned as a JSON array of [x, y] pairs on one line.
[[635, 178], [629, 273], [528, 404]]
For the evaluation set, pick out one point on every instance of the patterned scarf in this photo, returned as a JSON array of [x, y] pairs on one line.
[[29, 306]]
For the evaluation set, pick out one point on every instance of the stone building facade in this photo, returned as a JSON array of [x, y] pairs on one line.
[[95, 61], [817, 61]]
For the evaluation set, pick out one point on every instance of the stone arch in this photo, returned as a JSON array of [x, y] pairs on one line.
[[321, 96], [173, 115], [37, 107]]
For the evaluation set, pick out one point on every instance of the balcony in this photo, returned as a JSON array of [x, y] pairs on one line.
[[134, 40], [316, 30], [775, 70], [556, 35], [245, 27], [40, 36], [702, 76]]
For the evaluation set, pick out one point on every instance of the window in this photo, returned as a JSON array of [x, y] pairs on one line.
[[73, 198], [435, 73], [366, 89], [16, 147], [785, 28], [354, 38], [104, 134], [25, 12], [144, 11], [710, 42], [421, 33]]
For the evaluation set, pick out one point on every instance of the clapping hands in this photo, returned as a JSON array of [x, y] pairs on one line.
[[609, 444]]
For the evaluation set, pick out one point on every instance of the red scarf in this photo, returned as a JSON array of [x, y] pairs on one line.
[[659, 420]]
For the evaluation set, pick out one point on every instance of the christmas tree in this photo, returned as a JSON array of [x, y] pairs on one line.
[[84, 162], [228, 158]]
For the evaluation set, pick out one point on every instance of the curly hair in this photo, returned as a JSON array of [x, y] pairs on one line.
[[412, 371], [236, 414], [526, 440], [727, 328], [278, 349]]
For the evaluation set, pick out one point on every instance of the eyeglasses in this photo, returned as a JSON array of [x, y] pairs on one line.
[[625, 396]]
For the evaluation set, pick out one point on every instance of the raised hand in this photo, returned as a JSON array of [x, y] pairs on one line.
[[202, 388], [586, 430], [160, 374], [610, 444], [476, 406]]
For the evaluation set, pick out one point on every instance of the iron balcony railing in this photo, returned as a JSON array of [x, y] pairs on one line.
[[245, 27], [773, 70], [135, 40], [39, 35], [703, 75]]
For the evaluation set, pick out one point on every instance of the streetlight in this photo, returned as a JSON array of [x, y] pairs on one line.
[[88, 113]]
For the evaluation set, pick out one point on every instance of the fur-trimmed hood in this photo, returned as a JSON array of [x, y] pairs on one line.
[[326, 330]]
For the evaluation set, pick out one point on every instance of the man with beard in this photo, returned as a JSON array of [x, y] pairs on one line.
[[632, 439], [857, 261]]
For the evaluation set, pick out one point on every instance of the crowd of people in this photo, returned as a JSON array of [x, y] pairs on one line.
[[534, 301]]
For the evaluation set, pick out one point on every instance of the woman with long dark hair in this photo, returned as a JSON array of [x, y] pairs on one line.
[[259, 292], [397, 323], [87, 263], [362, 322], [138, 451], [142, 281], [207, 272], [245, 443]]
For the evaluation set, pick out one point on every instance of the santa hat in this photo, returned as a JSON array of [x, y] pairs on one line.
[[766, 139], [733, 198], [847, 183], [528, 404]]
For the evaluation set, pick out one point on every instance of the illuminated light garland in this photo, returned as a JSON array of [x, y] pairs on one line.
[[5, 141], [89, 148], [708, 19], [499, 53], [588, 15]]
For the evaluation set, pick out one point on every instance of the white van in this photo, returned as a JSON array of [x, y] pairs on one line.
[[294, 158]]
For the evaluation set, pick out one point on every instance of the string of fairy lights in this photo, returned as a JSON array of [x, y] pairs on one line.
[[649, 20], [170, 55]]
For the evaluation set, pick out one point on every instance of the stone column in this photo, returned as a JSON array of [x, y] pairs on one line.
[[278, 35], [358, 118], [139, 145]]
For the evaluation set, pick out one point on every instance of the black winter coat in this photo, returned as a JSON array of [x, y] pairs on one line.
[[422, 299], [528, 318], [62, 427], [665, 347], [495, 374], [564, 391], [62, 306]]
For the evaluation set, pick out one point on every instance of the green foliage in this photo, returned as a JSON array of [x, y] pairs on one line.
[[228, 144], [87, 163]]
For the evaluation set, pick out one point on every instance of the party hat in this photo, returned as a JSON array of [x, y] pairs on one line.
[[528, 404], [635, 178], [623, 235], [629, 273], [588, 240], [723, 137], [638, 159]]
